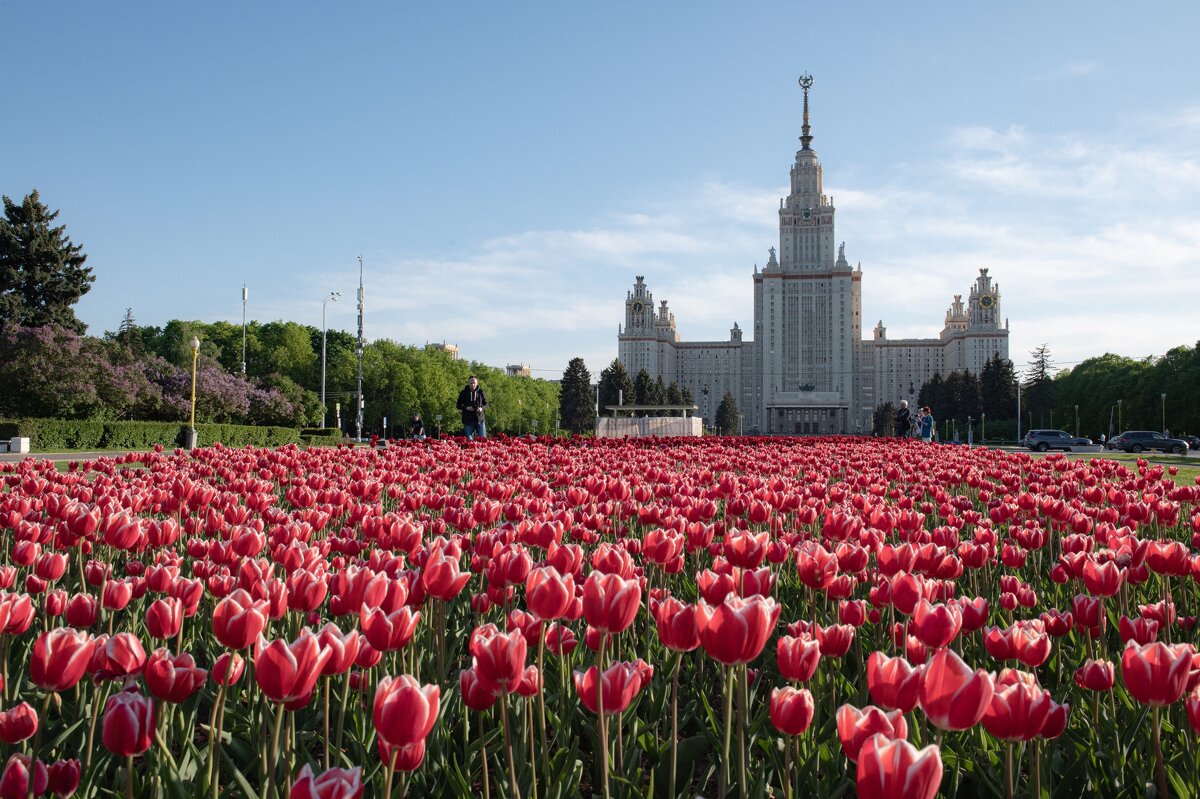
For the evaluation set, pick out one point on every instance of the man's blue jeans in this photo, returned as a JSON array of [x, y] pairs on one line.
[[477, 429]]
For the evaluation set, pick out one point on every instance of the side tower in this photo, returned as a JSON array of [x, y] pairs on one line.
[[647, 339]]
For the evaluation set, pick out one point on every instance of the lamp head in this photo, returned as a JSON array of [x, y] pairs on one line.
[[195, 343], [335, 295]]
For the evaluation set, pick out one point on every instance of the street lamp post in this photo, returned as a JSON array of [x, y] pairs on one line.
[[333, 296], [191, 437], [1120, 424], [983, 429], [1164, 413], [245, 296], [1077, 420]]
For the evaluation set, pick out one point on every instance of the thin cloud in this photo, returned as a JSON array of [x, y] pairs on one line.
[[1075, 69]]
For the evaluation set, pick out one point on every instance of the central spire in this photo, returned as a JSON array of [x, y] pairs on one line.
[[806, 138]]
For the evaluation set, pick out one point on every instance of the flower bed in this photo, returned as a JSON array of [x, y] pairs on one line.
[[725, 617]]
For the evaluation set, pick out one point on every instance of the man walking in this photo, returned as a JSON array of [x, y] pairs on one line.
[[472, 401]]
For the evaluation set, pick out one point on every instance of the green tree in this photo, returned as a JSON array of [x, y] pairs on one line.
[[727, 415], [614, 378], [643, 389], [998, 388], [41, 272], [658, 395], [1039, 384], [883, 420], [575, 397]]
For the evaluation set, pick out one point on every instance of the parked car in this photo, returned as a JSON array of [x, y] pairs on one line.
[[1042, 440], [1193, 442], [1142, 440]]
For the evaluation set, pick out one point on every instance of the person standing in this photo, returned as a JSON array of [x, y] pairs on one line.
[[926, 424], [472, 401], [416, 428], [903, 418]]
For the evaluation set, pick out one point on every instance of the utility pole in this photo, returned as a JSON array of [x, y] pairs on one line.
[[245, 296], [358, 418]]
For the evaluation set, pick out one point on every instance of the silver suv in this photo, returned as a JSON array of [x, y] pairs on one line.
[[1042, 440]]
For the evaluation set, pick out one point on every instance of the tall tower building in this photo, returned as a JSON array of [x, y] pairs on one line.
[[808, 370]]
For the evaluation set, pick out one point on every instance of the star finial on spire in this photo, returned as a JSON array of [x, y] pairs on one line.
[[806, 83]]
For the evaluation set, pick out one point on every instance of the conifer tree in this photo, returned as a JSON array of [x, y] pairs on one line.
[[575, 409]]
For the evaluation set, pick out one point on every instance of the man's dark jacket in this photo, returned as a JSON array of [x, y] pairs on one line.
[[469, 401]]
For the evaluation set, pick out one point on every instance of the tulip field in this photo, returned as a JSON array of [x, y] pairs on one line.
[[717, 617]]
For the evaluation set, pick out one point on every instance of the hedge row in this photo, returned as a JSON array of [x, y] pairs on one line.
[[57, 434]]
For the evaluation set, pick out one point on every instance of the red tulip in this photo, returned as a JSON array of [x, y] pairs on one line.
[[935, 625], [498, 658], [442, 577], [736, 631], [676, 623], [1018, 710], [747, 550], [306, 591], [1102, 579], [797, 657], [59, 659], [336, 783], [621, 682], [895, 769], [401, 758], [560, 640], [893, 682], [119, 656], [228, 669], [791, 710], [239, 619], [16, 613], [1096, 675], [128, 725], [343, 649], [855, 726], [14, 782], [1156, 674], [952, 695], [548, 594], [610, 602], [116, 595], [173, 678], [19, 723], [404, 710], [834, 640], [1192, 706], [63, 777], [288, 672], [389, 632], [476, 694], [164, 618], [82, 610]]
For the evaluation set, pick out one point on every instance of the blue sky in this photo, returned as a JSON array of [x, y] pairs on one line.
[[505, 169]]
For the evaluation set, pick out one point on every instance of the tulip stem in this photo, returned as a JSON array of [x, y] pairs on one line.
[[724, 781], [543, 743], [508, 746], [674, 724], [1037, 769], [743, 700], [37, 741], [273, 764], [483, 756], [129, 794], [325, 720], [1008, 770], [1159, 770], [600, 714], [214, 742], [341, 723], [99, 697]]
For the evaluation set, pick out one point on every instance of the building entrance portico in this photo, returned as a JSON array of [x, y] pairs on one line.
[[808, 413]]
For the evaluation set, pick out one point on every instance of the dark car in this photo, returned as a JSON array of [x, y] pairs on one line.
[[1193, 442], [1043, 440], [1142, 440]]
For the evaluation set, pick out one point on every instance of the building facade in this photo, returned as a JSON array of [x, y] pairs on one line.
[[808, 369]]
